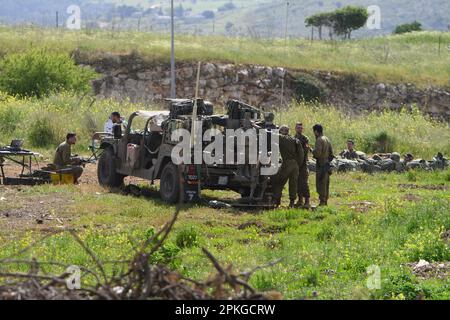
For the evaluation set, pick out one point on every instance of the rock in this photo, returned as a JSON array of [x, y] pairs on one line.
[[421, 264], [209, 69]]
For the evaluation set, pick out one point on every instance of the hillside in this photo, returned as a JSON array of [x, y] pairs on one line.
[[411, 58], [258, 18]]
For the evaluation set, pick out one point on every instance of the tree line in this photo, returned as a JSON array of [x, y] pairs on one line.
[[341, 22]]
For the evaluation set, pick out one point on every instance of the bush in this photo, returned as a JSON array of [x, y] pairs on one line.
[[380, 142], [40, 73], [41, 133], [208, 14], [427, 245], [227, 6], [10, 119], [401, 286], [408, 27], [309, 88], [187, 238]]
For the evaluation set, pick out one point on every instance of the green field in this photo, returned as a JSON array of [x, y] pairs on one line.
[[383, 220], [378, 220], [411, 58]]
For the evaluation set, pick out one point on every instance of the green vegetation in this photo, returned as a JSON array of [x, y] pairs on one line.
[[40, 72], [43, 123], [403, 58], [342, 21], [309, 88], [372, 220], [408, 27]]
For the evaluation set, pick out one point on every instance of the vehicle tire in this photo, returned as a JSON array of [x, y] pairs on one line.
[[170, 184], [106, 170]]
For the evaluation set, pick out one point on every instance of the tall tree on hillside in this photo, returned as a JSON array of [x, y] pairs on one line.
[[349, 19], [341, 22]]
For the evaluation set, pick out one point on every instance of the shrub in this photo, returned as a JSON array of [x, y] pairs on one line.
[[379, 142], [39, 73], [309, 88], [408, 27], [401, 286], [427, 245], [187, 238], [41, 133], [10, 119], [208, 14]]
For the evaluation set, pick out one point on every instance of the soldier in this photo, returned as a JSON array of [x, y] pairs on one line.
[[323, 153], [292, 154], [114, 119], [303, 184], [350, 153], [64, 161]]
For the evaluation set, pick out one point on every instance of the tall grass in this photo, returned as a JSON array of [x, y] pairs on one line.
[[411, 58], [408, 131], [44, 122]]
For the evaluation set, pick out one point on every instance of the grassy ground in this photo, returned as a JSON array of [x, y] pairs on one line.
[[411, 58], [386, 220]]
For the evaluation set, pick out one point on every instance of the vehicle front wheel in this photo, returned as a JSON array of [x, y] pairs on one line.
[[106, 170], [170, 184]]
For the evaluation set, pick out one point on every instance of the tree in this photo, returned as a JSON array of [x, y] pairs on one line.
[[408, 27], [341, 22], [208, 14]]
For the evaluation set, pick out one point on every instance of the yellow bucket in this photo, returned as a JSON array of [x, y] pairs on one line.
[[62, 178]]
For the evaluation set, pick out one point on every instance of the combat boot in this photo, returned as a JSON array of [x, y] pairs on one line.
[[292, 203], [307, 205]]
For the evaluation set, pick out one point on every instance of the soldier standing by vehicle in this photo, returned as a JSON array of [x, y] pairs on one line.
[[64, 161], [303, 184], [323, 153], [292, 154]]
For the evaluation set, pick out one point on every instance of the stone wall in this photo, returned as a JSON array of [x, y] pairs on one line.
[[131, 77]]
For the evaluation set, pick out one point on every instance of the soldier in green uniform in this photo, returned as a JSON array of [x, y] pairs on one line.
[[64, 161], [323, 153], [303, 185], [350, 153], [292, 154]]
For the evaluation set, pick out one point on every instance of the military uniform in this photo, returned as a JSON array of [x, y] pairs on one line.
[[349, 154], [303, 185], [292, 154], [323, 153], [64, 162]]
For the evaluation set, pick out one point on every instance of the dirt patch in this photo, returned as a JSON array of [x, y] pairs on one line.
[[426, 187], [426, 270], [361, 206], [446, 236], [411, 197], [249, 224], [22, 211], [274, 229]]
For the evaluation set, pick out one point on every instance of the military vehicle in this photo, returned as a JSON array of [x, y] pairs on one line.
[[144, 150]]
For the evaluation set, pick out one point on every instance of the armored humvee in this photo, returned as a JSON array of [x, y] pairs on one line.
[[145, 147]]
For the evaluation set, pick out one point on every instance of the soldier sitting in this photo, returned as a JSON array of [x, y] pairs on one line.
[[350, 153], [64, 162]]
